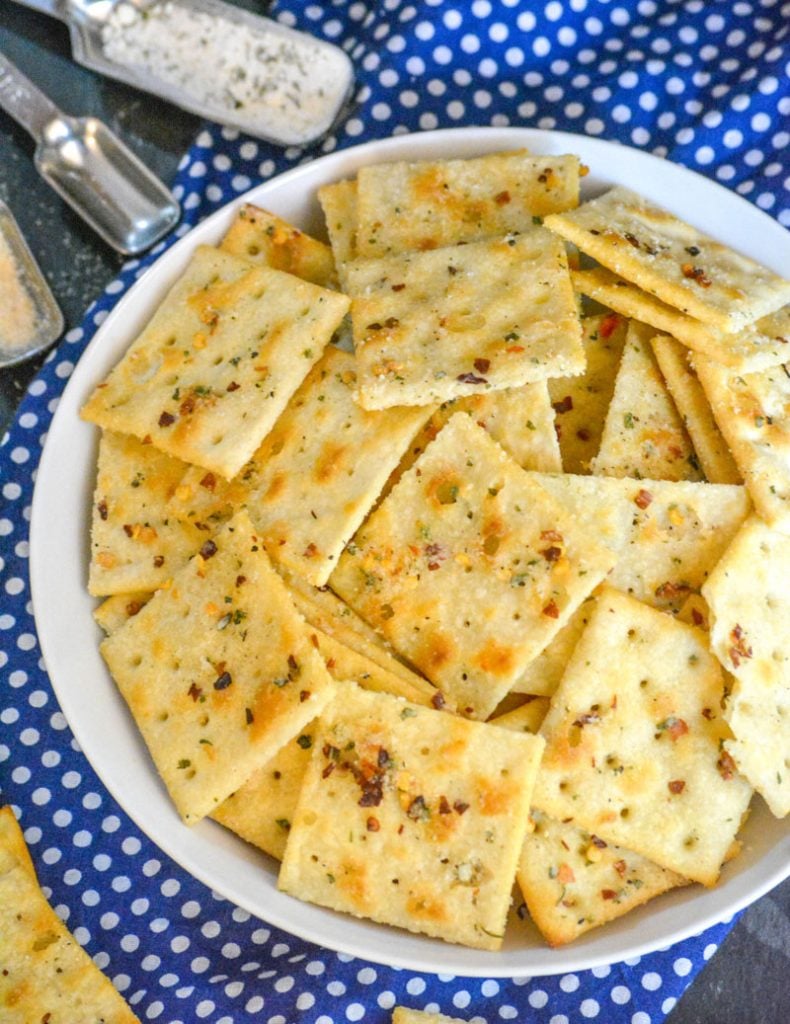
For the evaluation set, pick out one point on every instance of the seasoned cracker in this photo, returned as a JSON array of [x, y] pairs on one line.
[[262, 237], [469, 568], [753, 413], [412, 817], [635, 755], [217, 363], [581, 402], [689, 397], [543, 674], [749, 598], [339, 203], [116, 611], [403, 207], [528, 717], [669, 258], [135, 544], [643, 436], [218, 670], [764, 343], [431, 326], [46, 975]]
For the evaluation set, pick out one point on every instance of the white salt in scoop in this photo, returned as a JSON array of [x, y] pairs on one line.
[[214, 60]]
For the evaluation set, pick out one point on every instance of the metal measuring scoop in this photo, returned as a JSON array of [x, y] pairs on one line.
[[90, 168]]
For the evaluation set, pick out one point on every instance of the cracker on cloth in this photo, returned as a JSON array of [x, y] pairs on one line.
[[635, 755], [667, 536], [572, 880], [412, 817], [669, 258], [262, 237], [218, 670], [469, 567], [749, 598], [46, 974], [689, 397], [403, 206], [764, 343], [218, 361], [431, 326], [753, 413], [643, 436], [135, 543], [581, 402]]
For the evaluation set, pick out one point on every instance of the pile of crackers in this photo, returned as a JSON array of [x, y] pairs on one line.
[[500, 596]]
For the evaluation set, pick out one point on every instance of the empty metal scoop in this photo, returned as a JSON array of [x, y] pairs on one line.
[[90, 168]]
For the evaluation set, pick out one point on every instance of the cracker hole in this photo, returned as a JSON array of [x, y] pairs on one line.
[[204, 720], [163, 716], [191, 773], [253, 250], [136, 661], [310, 818], [218, 439], [491, 544], [625, 812]]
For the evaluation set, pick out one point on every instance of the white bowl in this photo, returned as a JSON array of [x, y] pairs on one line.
[[98, 716]]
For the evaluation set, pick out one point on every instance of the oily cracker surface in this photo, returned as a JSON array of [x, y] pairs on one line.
[[135, 543], [666, 536], [217, 363], [749, 598], [635, 756], [467, 319], [672, 260], [262, 237], [429, 204], [218, 670], [753, 413], [689, 398], [46, 975], [400, 792], [763, 343], [580, 403], [643, 436], [572, 880], [469, 568]]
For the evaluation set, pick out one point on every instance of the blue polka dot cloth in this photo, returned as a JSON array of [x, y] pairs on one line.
[[704, 84]]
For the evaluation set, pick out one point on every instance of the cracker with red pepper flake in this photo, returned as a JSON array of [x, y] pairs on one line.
[[763, 343], [463, 320], [262, 237], [643, 436], [469, 567], [430, 204], [218, 670], [753, 413], [46, 975], [631, 755], [411, 817], [665, 256], [135, 544], [542, 675], [115, 611], [749, 597], [580, 402], [689, 397], [215, 366], [572, 880]]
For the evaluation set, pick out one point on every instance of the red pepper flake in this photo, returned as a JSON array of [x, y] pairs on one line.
[[166, 419], [699, 620], [444, 805], [643, 499], [460, 807], [668, 591], [514, 349], [133, 607], [310, 551], [304, 695], [328, 770], [673, 727], [608, 894], [619, 866], [696, 274], [726, 766], [233, 386], [240, 580], [502, 198], [194, 692], [398, 287], [740, 648], [564, 405], [391, 321], [676, 786], [551, 610], [101, 508], [250, 718], [583, 434], [609, 325], [372, 824], [438, 701], [708, 713], [188, 405], [208, 550], [551, 554], [470, 378], [482, 365], [127, 529], [159, 561], [418, 809], [565, 874], [209, 481], [223, 681], [596, 841]]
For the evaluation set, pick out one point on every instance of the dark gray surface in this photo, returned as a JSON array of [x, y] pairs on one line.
[[746, 982]]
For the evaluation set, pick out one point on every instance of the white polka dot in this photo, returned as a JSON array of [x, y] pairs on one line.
[[508, 1012], [386, 1000], [489, 988], [589, 1008], [541, 46], [355, 1011], [538, 999], [640, 1017], [462, 999], [682, 966], [569, 983]]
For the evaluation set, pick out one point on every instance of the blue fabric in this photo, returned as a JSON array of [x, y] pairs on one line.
[[704, 84]]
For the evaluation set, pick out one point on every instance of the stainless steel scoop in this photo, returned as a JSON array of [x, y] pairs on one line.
[[90, 168]]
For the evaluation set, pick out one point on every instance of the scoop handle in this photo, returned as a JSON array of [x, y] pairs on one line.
[[53, 7], [25, 102]]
